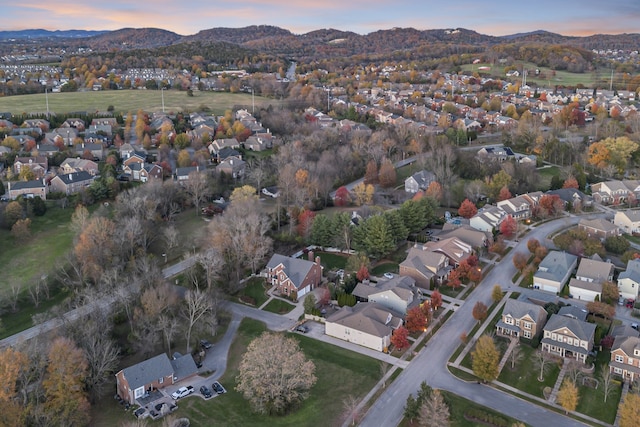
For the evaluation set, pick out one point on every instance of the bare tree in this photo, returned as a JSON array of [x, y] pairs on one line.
[[441, 161], [516, 356], [16, 288], [384, 368], [606, 379], [170, 235], [197, 304], [169, 327], [573, 371], [543, 362], [258, 172], [197, 187], [434, 412], [350, 405]]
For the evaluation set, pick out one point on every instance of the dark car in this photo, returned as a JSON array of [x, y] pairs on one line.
[[205, 344], [139, 412], [204, 390], [217, 387], [302, 328]]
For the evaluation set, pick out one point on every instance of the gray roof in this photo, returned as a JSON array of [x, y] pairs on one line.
[[573, 312], [588, 286], [184, 366], [148, 371], [598, 224], [632, 272], [296, 268], [185, 171], [555, 265], [598, 271], [625, 331], [400, 285], [20, 185], [423, 178], [626, 344], [519, 309], [582, 330], [368, 317], [75, 177]]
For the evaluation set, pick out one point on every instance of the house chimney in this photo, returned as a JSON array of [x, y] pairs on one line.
[[310, 255], [318, 260]]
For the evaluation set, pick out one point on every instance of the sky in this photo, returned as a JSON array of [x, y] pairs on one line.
[[187, 17]]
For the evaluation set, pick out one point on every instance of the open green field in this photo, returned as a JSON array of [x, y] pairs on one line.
[[340, 373], [279, 306], [130, 100], [560, 78]]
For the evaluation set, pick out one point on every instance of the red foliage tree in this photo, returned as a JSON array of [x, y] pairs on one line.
[[343, 198], [504, 194], [363, 273], [371, 174], [305, 221], [550, 204], [436, 299], [434, 191], [416, 321], [399, 339], [472, 261], [467, 209], [324, 296], [532, 245], [508, 227], [454, 279], [30, 145], [570, 182], [479, 311]]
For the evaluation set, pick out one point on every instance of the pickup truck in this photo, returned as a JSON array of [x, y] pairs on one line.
[[182, 392]]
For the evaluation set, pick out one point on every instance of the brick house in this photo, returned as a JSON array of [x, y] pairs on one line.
[[38, 164], [29, 189], [71, 183], [291, 275], [625, 353], [521, 319], [599, 228]]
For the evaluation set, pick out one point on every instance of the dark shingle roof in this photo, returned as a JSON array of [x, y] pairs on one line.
[[148, 371]]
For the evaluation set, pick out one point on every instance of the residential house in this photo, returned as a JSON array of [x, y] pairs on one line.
[[518, 207], [256, 143], [488, 218], [225, 153], [39, 165], [182, 174], [126, 150], [143, 172], [233, 167], [71, 183], [587, 285], [475, 238], [96, 150], [554, 271], [294, 276], [397, 294], [66, 136], [42, 124], [628, 221], [453, 248], [219, 144], [27, 189], [75, 123], [521, 319], [367, 324], [610, 192], [599, 228], [47, 150], [629, 280], [134, 382], [496, 153], [419, 181], [133, 158], [568, 337], [425, 267], [574, 312], [625, 354], [72, 165]]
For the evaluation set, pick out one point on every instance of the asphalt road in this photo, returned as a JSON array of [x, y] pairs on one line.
[[430, 364]]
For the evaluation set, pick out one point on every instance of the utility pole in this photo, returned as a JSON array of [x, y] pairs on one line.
[[46, 97], [162, 91]]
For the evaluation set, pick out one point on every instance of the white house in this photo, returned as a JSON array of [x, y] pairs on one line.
[[554, 271], [628, 221], [591, 273], [488, 218], [629, 280], [419, 181]]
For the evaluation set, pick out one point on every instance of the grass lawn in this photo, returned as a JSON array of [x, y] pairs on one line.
[[24, 262], [340, 373], [191, 228], [12, 323], [254, 292], [449, 291], [332, 261], [591, 402], [385, 267], [278, 306], [131, 100], [546, 174], [525, 375]]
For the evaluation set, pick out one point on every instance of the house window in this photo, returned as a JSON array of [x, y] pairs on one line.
[[617, 370], [527, 325], [569, 341], [630, 361], [527, 334], [508, 320], [517, 322], [139, 392], [619, 358], [160, 380]]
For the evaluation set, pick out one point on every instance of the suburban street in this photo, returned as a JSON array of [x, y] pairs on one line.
[[430, 364]]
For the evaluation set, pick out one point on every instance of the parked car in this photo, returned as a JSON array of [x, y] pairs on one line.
[[302, 328], [182, 392], [204, 390], [634, 326], [388, 275], [629, 303], [217, 387], [140, 413], [205, 344]]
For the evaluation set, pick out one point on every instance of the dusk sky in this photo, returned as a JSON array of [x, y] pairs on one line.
[[186, 17]]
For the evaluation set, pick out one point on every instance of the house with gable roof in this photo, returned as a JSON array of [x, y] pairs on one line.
[[554, 271], [72, 165], [71, 183], [591, 274], [625, 353], [294, 275], [488, 218], [453, 248], [599, 228], [518, 207], [28, 189], [425, 266], [610, 192], [134, 382], [568, 337], [521, 319], [419, 181], [629, 280], [628, 221], [397, 294], [367, 324]]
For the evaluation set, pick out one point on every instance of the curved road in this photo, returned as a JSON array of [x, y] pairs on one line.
[[430, 364]]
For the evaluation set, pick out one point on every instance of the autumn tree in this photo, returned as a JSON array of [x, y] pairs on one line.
[[184, 159], [26, 174], [496, 293], [630, 410], [610, 292], [371, 173], [520, 260], [485, 359], [274, 374], [434, 412], [532, 245], [416, 320], [436, 299], [504, 194], [362, 273], [602, 309], [568, 396], [508, 227], [467, 209], [63, 385], [550, 205], [479, 311], [434, 190], [400, 339], [21, 230], [12, 213], [12, 363], [387, 174], [305, 223], [96, 247], [342, 197], [363, 194], [570, 182]]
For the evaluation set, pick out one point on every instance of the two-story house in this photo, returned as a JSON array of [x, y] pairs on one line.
[[71, 183], [610, 192], [38, 165], [488, 218], [554, 271], [518, 207], [521, 319], [72, 165], [568, 337], [591, 274], [453, 248], [28, 189], [425, 267], [419, 181], [398, 294], [625, 354], [294, 276], [629, 280], [233, 167], [628, 221], [599, 228]]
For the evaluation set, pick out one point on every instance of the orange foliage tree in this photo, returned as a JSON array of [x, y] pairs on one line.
[[467, 209], [399, 339], [416, 320]]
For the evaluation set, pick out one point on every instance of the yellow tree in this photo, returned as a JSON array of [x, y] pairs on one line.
[[26, 174], [630, 411], [244, 193], [184, 159], [568, 396], [621, 149], [66, 401], [363, 194], [485, 359], [598, 155]]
